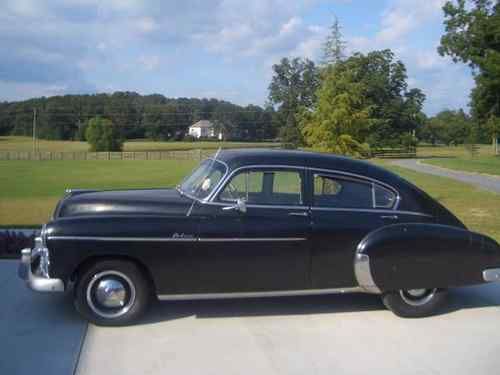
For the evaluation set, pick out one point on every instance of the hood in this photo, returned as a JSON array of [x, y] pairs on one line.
[[124, 202]]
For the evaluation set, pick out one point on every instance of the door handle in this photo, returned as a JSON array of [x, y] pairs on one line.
[[302, 214], [390, 217]]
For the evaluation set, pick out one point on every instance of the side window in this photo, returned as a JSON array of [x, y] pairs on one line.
[[384, 198], [340, 192], [265, 187], [246, 185]]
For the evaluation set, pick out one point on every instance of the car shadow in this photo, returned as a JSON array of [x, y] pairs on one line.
[[458, 299]]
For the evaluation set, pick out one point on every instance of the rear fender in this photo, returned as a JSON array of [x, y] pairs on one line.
[[412, 256]]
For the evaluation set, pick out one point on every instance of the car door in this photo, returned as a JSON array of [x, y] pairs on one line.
[[270, 252], [344, 210]]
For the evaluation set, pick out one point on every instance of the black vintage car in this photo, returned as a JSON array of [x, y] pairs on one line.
[[258, 223]]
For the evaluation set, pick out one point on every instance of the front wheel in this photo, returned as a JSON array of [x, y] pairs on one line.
[[112, 293], [415, 303]]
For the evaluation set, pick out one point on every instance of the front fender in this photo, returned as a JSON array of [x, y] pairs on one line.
[[411, 256]]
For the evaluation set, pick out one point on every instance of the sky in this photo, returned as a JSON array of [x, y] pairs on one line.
[[210, 48]]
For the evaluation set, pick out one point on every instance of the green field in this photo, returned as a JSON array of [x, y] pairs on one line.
[[459, 158], [478, 209], [29, 190], [483, 164], [26, 144], [452, 151]]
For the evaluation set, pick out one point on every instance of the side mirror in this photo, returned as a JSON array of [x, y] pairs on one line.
[[239, 206]]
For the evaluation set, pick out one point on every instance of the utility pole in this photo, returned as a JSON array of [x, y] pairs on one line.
[[34, 131]]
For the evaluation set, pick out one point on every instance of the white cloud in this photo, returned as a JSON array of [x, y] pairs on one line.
[[446, 85], [405, 16], [146, 25], [149, 62]]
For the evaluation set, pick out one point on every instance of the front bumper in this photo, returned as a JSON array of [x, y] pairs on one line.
[[37, 281]]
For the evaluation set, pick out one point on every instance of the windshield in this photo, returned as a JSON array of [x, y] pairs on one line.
[[204, 179]]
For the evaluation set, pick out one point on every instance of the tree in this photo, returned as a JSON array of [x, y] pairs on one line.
[[65, 117], [365, 98], [103, 135], [292, 88], [493, 127], [447, 127], [341, 119], [334, 48], [472, 36]]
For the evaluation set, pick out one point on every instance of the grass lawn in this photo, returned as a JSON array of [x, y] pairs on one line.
[[451, 151], [29, 190], [483, 164], [26, 144], [478, 209]]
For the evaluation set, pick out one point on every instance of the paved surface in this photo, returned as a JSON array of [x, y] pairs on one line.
[[39, 334], [482, 181], [345, 334]]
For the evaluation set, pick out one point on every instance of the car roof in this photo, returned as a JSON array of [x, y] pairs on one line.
[[246, 157]]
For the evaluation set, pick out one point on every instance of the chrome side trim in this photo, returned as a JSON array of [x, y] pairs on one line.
[[491, 275], [284, 293], [128, 239], [298, 207], [363, 274], [176, 239], [372, 210], [256, 239]]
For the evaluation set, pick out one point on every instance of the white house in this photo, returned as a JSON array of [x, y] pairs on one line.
[[203, 129]]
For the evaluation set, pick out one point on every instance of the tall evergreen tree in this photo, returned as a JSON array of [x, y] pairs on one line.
[[334, 48]]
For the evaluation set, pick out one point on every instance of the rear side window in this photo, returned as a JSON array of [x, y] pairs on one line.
[[384, 198], [343, 192]]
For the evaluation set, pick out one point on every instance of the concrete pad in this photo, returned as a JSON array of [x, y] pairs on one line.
[[345, 334], [40, 333]]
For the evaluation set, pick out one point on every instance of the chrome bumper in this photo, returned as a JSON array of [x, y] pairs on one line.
[[491, 275], [37, 281]]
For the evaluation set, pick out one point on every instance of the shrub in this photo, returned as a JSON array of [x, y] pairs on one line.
[[103, 135]]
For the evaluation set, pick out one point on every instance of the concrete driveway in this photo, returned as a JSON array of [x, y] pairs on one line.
[[491, 183], [344, 334], [39, 334]]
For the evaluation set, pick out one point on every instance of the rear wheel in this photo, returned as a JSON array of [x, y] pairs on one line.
[[112, 293], [415, 303]]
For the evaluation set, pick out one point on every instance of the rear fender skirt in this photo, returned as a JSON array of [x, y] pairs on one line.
[[411, 256]]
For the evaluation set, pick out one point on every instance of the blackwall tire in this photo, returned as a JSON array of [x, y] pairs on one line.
[[112, 293], [416, 303]]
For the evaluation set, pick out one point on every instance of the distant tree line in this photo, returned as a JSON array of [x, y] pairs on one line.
[[135, 116]]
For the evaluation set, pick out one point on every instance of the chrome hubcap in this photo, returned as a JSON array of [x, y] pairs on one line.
[[417, 297], [110, 294]]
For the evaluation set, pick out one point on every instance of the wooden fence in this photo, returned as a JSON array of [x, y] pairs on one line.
[[126, 155], [396, 153]]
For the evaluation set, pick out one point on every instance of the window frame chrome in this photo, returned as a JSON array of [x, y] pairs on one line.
[[214, 196], [357, 178], [207, 198]]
